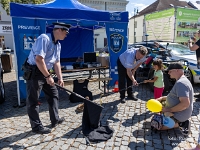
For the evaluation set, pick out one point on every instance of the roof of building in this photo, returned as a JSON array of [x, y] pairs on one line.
[[162, 5], [195, 4]]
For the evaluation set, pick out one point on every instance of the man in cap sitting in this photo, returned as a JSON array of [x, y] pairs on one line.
[[45, 55], [179, 101]]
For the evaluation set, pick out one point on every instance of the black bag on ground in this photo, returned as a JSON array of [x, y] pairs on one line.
[[81, 89], [91, 126]]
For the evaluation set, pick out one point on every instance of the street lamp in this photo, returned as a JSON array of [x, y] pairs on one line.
[[135, 13], [146, 39]]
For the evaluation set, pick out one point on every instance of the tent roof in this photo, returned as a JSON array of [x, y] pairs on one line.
[[65, 9]]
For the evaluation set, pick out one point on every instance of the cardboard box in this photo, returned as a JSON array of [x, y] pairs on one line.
[[104, 60]]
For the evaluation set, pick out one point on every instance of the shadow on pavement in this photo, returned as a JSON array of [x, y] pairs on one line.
[[153, 139], [9, 107]]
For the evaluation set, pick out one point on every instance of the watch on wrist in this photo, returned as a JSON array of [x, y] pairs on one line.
[[47, 76]]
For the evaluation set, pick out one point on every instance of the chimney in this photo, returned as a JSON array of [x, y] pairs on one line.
[[198, 2]]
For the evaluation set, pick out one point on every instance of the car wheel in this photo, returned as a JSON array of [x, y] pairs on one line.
[[2, 90], [188, 74]]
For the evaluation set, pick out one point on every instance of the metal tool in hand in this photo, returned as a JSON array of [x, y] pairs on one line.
[[73, 93], [119, 90]]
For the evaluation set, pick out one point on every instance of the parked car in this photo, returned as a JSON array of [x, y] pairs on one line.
[[179, 51], [175, 51]]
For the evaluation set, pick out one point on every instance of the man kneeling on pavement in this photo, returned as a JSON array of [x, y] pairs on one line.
[[179, 102]]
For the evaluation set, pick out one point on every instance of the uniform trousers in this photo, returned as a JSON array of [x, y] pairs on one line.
[[124, 80], [34, 87]]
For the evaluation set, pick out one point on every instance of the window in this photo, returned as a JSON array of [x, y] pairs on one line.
[[135, 25]]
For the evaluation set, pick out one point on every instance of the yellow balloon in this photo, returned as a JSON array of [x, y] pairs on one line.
[[154, 105]]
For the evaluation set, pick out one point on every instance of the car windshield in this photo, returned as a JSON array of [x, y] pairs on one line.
[[179, 49]]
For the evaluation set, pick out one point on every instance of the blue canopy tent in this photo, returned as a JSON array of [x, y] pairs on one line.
[[29, 21]]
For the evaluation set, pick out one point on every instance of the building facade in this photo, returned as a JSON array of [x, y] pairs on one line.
[[100, 39], [136, 31], [6, 40]]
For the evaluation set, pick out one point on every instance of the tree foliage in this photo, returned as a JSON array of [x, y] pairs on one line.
[[6, 3]]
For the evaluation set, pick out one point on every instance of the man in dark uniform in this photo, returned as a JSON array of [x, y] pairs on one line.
[[45, 55]]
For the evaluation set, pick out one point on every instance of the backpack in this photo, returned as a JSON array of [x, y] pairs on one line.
[[157, 122]]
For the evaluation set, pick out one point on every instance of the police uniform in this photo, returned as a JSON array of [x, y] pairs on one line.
[[127, 60], [46, 47]]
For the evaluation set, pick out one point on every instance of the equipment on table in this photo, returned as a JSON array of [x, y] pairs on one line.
[[89, 57]]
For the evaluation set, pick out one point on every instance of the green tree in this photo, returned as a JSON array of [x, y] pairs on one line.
[[6, 3]]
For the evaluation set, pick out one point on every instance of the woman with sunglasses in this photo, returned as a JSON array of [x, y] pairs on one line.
[[196, 47]]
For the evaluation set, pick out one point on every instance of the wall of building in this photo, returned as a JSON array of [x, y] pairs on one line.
[[109, 5], [139, 29], [6, 39]]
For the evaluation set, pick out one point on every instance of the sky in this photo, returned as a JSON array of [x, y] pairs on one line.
[[140, 4]]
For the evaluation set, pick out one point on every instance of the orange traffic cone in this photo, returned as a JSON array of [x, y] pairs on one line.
[[116, 88]]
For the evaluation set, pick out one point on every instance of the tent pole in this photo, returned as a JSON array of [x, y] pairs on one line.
[[16, 66]]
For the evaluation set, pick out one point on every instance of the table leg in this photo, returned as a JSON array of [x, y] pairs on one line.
[[90, 74], [99, 77]]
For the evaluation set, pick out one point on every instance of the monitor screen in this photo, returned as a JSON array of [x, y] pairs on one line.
[[89, 57]]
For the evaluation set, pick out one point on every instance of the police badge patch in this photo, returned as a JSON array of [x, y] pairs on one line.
[[116, 42]]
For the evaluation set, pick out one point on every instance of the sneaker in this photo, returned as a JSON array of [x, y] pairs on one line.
[[60, 120], [185, 127], [132, 97], [42, 130], [123, 100]]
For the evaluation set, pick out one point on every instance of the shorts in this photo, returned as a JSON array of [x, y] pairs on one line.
[[175, 120]]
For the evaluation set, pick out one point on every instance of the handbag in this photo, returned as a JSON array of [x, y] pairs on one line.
[[27, 70]]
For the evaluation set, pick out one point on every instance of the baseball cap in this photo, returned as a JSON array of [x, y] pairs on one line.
[[175, 66], [61, 25], [168, 122]]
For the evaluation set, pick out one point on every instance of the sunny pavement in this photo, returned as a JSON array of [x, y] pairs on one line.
[[130, 122]]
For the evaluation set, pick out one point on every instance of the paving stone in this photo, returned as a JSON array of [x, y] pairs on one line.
[[150, 148]]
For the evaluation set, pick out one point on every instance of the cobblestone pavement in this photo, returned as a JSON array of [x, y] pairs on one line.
[[130, 122]]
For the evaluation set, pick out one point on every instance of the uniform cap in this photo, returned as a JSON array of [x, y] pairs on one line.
[[61, 25]]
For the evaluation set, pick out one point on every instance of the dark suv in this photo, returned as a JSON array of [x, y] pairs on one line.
[[146, 71]]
